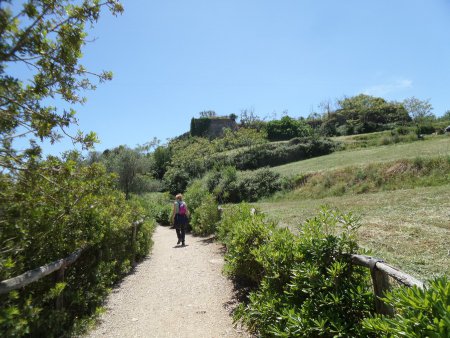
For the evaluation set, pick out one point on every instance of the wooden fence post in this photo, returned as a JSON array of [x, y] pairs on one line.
[[381, 285]]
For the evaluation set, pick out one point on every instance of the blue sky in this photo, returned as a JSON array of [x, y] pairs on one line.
[[173, 59]]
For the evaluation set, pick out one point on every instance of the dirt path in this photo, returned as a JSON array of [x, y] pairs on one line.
[[176, 292]]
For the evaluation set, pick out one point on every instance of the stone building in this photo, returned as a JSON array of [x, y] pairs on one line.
[[211, 127]]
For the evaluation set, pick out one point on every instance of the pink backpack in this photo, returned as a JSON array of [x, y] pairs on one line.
[[182, 208]]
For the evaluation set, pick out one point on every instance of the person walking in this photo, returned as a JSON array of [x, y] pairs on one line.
[[179, 218]]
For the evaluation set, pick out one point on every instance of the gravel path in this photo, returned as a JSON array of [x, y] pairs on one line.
[[176, 292]]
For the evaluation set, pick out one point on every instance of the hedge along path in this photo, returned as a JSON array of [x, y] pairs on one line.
[[176, 292]]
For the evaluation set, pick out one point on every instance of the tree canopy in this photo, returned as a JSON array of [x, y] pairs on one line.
[[420, 110], [363, 114], [287, 128], [44, 39]]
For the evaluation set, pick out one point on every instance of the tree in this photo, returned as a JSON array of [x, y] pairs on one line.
[[327, 107], [44, 37], [364, 113], [249, 119], [420, 110], [287, 128], [233, 116], [161, 161], [132, 167], [314, 120]]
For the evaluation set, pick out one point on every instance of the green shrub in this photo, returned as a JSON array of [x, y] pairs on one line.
[[287, 128], [243, 242], [252, 185], [206, 216], [426, 129], [308, 286], [195, 193], [277, 257], [231, 216], [228, 185], [402, 130], [274, 154], [418, 313], [48, 214], [158, 206], [243, 137], [176, 179], [203, 208], [223, 184]]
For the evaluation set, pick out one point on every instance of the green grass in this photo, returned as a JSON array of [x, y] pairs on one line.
[[401, 192], [432, 146], [410, 229], [376, 139], [370, 178]]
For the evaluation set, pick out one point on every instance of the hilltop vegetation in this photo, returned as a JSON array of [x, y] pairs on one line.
[[250, 146]]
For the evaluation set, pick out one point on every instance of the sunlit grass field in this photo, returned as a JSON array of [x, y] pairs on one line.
[[410, 229], [432, 146], [407, 225]]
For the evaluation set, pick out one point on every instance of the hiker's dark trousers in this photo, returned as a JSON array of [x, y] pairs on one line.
[[181, 232], [180, 226]]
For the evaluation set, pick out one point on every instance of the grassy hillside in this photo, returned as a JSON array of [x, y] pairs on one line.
[[430, 147], [404, 203], [408, 228]]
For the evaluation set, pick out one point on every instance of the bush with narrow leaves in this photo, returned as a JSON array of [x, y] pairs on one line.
[[418, 313], [305, 284]]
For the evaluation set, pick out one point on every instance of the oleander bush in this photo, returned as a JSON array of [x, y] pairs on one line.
[[231, 216], [203, 208], [204, 220], [304, 285], [244, 238], [418, 313]]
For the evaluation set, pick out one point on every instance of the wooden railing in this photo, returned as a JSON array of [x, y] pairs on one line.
[[59, 267], [36, 274], [380, 272]]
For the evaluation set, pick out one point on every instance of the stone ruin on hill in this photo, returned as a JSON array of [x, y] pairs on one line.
[[211, 127]]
